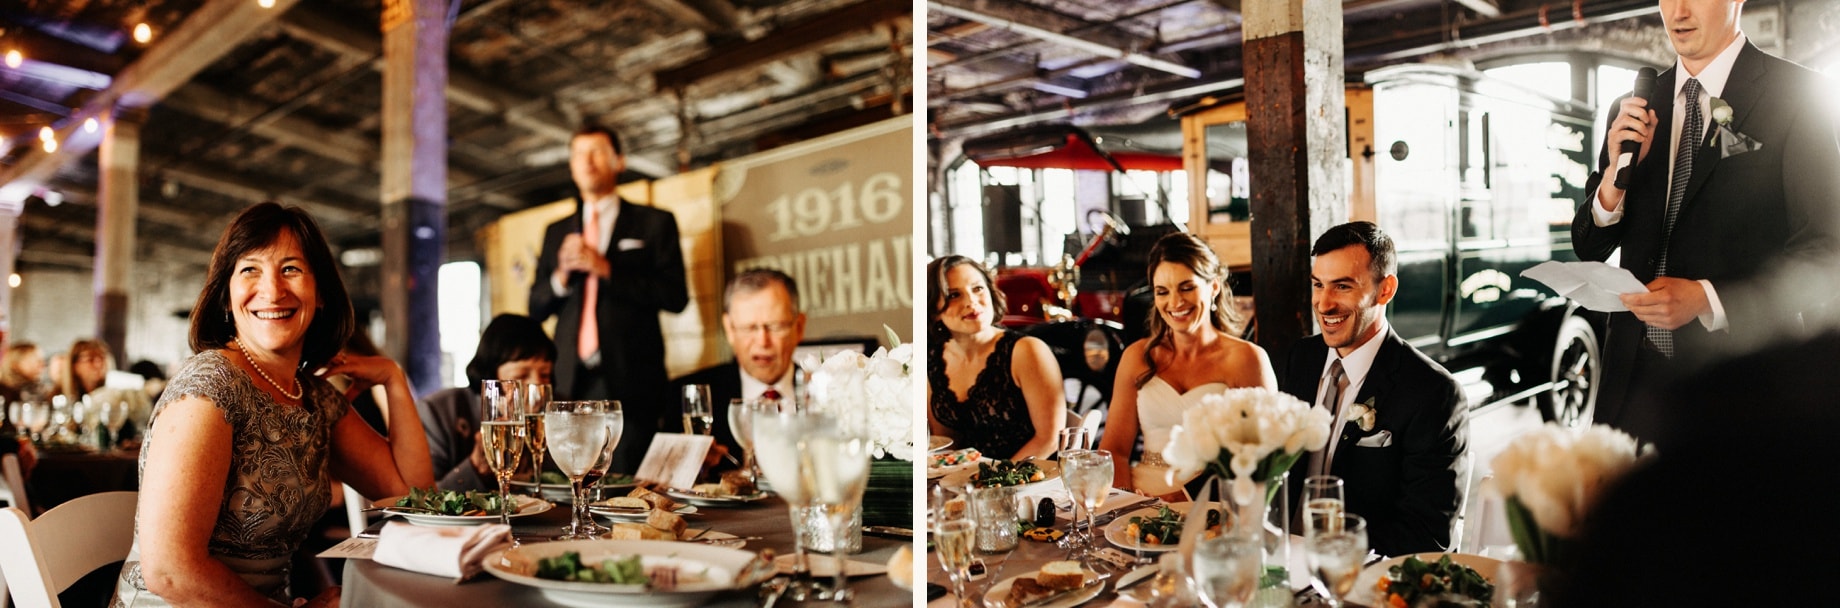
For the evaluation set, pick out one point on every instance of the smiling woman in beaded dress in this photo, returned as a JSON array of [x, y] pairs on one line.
[[235, 466]]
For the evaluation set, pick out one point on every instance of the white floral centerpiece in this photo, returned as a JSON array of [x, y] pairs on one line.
[[875, 391], [1551, 477], [1248, 435]]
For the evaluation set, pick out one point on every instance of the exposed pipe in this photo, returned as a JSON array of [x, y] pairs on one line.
[[1069, 41]]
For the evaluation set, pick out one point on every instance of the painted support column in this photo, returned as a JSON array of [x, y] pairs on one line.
[[414, 191], [117, 204], [1297, 148], [9, 261]]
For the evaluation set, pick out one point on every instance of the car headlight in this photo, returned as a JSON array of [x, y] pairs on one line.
[[1098, 349]]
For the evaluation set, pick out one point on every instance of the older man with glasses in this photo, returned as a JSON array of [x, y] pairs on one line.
[[761, 318]]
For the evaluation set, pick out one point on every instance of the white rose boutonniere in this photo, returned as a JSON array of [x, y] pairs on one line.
[[1729, 143], [1362, 414]]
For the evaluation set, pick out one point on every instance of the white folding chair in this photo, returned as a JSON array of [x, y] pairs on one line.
[[1092, 421], [15, 486], [64, 544], [354, 510]]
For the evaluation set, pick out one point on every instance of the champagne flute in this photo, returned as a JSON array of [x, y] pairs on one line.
[[834, 468], [615, 419], [698, 417], [113, 415], [1335, 553], [537, 398], [952, 540], [1088, 475], [1227, 569], [779, 444], [502, 436], [1322, 502], [580, 432]]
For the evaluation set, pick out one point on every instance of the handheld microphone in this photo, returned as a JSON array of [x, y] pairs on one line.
[[1626, 153]]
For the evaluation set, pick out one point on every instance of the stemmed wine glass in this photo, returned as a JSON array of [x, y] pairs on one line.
[[1322, 501], [502, 436], [780, 448], [39, 414], [699, 418], [952, 540], [741, 424], [113, 415], [1088, 475], [615, 419], [580, 436], [1227, 569], [1336, 550], [537, 398], [835, 471]]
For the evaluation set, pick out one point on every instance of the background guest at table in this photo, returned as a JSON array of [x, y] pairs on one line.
[[22, 373], [244, 438], [763, 323], [90, 363], [513, 347], [1190, 352], [987, 388], [1399, 466]]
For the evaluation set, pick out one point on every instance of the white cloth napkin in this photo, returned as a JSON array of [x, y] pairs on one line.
[[450, 551]]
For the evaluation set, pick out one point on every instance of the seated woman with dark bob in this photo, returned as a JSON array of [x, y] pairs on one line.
[[513, 347], [237, 458], [987, 387]]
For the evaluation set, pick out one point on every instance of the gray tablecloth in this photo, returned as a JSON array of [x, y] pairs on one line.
[[370, 584]]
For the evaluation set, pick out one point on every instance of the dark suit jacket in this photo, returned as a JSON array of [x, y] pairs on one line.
[[1410, 489], [1761, 226], [645, 281], [724, 385]]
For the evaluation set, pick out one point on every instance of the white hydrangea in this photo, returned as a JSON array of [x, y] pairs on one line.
[[874, 392], [1243, 428], [1559, 473]]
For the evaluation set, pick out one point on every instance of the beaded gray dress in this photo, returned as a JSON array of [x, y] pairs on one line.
[[278, 484]]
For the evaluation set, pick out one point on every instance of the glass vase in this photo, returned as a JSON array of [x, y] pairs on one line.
[[1264, 519]]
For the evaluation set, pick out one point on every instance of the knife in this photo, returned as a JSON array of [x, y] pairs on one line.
[[889, 531]]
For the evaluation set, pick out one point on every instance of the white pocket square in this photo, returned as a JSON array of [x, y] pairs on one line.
[[1376, 440], [630, 244]]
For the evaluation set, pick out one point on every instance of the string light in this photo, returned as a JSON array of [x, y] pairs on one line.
[[142, 33], [13, 281], [89, 125], [50, 146], [14, 59], [46, 134]]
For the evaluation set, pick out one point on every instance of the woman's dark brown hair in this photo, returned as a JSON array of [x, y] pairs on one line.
[[257, 228], [936, 294], [1192, 252]]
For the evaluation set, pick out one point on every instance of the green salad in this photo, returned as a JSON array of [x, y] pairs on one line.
[[449, 502], [552, 478], [568, 567], [1165, 527], [1415, 578], [992, 473]]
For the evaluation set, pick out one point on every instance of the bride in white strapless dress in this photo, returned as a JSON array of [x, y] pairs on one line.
[[1189, 342], [1159, 409]]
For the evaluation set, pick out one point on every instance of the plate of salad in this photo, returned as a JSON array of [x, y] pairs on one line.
[[591, 573], [1426, 575], [1154, 528], [432, 507], [996, 472]]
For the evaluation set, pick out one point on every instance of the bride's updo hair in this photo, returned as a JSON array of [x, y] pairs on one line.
[[1190, 251]]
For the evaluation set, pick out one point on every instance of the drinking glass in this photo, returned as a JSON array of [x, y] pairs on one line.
[[1322, 502], [1335, 553], [1074, 438], [502, 436], [835, 470], [537, 398], [741, 425], [994, 510], [113, 415], [699, 418], [1088, 475], [780, 448], [952, 540], [40, 413], [1227, 569], [579, 432], [615, 420]]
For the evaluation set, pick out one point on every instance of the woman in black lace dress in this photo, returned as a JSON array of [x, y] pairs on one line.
[[987, 388]]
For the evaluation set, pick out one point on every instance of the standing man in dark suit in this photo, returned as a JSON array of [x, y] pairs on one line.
[[1400, 465], [1729, 214], [606, 274], [763, 323]]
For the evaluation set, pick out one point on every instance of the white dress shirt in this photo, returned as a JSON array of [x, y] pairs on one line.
[[1355, 366], [609, 209]]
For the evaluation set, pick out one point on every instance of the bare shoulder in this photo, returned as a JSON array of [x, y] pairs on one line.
[[1244, 363]]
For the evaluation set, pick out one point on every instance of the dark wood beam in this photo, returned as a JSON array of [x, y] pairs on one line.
[[785, 41]]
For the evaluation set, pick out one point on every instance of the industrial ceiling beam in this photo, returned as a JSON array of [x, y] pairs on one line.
[[712, 16], [1095, 48], [785, 41]]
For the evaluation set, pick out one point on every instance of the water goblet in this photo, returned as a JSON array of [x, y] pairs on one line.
[[1074, 438], [1088, 475], [835, 471], [113, 415], [579, 437], [741, 425], [780, 450], [502, 435], [699, 416], [1227, 569], [1335, 552], [537, 398], [1322, 502], [615, 419]]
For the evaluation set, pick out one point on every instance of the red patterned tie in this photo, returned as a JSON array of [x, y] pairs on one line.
[[771, 393], [588, 341]]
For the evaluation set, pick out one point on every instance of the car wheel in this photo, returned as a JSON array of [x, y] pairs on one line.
[[1575, 369]]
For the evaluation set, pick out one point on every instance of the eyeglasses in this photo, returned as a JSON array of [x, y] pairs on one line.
[[777, 328]]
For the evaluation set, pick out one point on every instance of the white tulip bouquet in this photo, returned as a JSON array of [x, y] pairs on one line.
[[1248, 435], [1551, 477], [876, 390]]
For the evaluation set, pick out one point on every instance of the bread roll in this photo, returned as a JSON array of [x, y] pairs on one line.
[[1024, 590], [658, 501], [667, 522], [737, 483], [626, 502], [635, 531], [1061, 575]]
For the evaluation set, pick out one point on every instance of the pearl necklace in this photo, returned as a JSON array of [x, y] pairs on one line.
[[298, 390]]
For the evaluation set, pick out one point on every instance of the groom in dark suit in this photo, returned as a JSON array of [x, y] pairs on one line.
[[1729, 215], [1401, 464], [763, 324], [623, 265]]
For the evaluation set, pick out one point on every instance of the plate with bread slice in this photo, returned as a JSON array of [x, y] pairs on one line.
[[1058, 584]]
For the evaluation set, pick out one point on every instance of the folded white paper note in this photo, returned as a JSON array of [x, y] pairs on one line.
[[1594, 285]]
